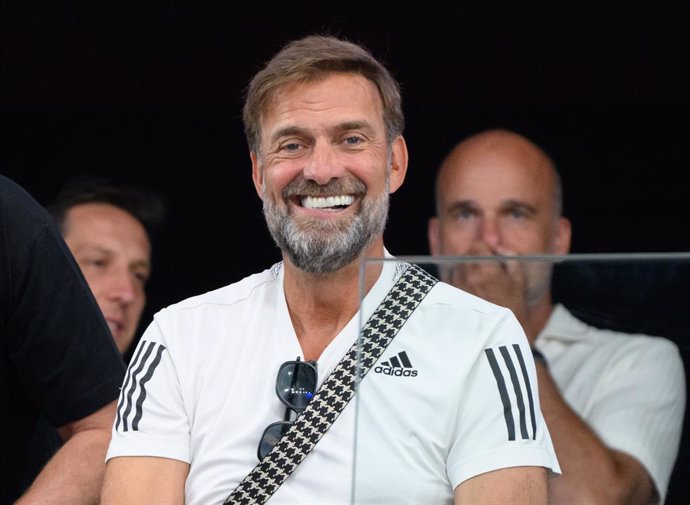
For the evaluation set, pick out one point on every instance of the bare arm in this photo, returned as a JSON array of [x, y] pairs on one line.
[[592, 473], [520, 485], [149, 480], [75, 474]]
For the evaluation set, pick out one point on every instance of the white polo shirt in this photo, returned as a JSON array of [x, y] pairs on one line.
[[201, 389], [629, 388]]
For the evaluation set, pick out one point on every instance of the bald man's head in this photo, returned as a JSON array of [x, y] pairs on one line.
[[499, 194], [500, 147]]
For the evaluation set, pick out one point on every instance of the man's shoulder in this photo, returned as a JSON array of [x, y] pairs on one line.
[[235, 293], [446, 309], [447, 294], [574, 325]]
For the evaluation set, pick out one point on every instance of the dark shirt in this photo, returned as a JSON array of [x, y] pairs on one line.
[[58, 361]]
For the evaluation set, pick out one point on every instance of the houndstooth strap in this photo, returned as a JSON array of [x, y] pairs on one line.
[[336, 391]]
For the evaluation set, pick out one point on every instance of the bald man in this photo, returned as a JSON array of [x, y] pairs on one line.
[[614, 402]]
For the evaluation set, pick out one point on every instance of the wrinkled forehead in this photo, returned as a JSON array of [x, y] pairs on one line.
[[328, 104], [346, 85]]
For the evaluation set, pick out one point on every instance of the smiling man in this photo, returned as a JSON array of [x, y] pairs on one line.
[[108, 228], [217, 379]]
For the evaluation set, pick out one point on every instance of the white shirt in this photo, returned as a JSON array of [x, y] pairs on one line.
[[201, 389], [629, 388]]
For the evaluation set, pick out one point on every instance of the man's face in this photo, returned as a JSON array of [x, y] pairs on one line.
[[499, 200], [325, 170], [113, 251]]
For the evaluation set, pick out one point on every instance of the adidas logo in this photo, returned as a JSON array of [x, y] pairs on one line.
[[397, 366]]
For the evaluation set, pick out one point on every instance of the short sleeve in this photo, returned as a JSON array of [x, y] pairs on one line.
[[501, 424], [639, 403], [151, 419]]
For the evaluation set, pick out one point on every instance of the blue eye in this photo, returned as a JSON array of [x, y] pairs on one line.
[[353, 140], [465, 213]]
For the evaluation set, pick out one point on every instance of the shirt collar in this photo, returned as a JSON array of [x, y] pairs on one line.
[[563, 326]]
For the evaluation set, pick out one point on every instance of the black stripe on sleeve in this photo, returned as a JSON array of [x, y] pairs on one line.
[[142, 384], [503, 392], [133, 385], [127, 383], [518, 390], [518, 353]]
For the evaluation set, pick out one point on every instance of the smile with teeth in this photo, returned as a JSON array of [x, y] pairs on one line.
[[327, 202]]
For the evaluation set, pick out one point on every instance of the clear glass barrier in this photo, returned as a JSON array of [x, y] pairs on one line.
[[407, 404]]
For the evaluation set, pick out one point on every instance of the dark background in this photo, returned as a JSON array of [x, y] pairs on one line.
[[151, 93]]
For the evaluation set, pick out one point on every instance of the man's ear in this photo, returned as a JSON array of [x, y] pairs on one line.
[[399, 159], [257, 173], [433, 236], [563, 236]]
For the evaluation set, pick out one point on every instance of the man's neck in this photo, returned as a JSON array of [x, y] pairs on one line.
[[320, 305]]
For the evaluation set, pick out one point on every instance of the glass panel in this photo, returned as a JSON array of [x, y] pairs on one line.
[[414, 427]]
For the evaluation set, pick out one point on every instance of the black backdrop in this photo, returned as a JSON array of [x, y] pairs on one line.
[[151, 93]]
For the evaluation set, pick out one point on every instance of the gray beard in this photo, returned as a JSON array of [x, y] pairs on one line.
[[320, 247]]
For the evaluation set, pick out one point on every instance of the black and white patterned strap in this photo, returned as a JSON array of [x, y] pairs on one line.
[[336, 391]]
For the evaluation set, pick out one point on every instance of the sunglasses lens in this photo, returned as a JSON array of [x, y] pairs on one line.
[[296, 384], [272, 434]]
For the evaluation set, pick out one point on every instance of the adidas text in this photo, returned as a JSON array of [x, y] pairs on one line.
[[397, 372]]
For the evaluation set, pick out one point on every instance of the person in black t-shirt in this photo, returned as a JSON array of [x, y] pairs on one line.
[[58, 361]]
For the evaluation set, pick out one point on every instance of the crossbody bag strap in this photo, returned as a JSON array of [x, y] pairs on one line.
[[336, 391]]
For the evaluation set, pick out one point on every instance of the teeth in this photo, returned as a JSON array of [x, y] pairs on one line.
[[311, 202]]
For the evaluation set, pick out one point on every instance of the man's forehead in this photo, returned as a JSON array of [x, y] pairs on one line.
[[496, 186], [336, 89], [495, 170]]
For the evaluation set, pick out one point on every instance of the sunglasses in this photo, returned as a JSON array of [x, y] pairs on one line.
[[295, 386]]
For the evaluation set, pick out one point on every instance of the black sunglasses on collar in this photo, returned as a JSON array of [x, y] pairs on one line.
[[295, 386]]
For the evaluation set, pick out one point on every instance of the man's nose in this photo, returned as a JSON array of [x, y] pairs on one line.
[[490, 232], [323, 164], [123, 286]]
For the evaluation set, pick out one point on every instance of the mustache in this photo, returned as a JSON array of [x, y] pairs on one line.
[[303, 187]]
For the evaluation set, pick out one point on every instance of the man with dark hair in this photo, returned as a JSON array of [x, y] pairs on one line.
[[109, 229]]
